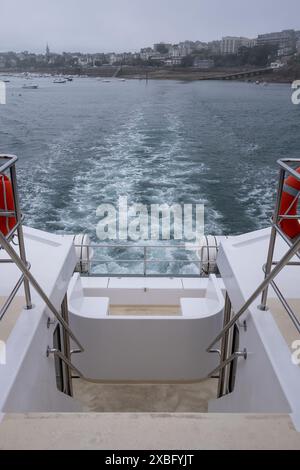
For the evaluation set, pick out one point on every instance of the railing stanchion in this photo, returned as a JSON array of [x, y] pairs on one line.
[[145, 261], [270, 275], [13, 175], [27, 274], [67, 348], [278, 268], [222, 385], [264, 297], [27, 279]]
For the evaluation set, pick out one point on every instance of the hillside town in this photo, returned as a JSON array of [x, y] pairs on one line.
[[230, 51]]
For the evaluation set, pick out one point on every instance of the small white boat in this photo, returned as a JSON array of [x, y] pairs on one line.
[[30, 86], [105, 81], [122, 79], [60, 80]]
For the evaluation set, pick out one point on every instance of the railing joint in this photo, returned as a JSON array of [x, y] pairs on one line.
[[50, 322]]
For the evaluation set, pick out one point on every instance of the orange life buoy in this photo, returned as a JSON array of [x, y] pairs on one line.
[[289, 204], [6, 204]]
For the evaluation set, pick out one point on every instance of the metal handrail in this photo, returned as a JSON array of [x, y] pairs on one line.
[[61, 356], [277, 218], [31, 279], [228, 361], [144, 259], [270, 274], [131, 245], [12, 295], [20, 260], [9, 165], [282, 263], [286, 306], [283, 163], [10, 161]]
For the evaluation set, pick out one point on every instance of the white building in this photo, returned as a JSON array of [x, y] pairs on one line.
[[201, 46], [173, 61], [175, 51], [232, 44], [116, 58], [276, 65], [201, 63], [84, 61], [146, 53], [185, 48]]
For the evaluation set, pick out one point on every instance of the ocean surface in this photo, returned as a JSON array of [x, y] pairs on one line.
[[85, 143]]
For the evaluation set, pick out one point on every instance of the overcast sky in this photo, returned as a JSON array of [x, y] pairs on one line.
[[120, 25]]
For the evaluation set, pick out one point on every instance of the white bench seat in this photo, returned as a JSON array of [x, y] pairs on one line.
[[198, 308], [91, 307]]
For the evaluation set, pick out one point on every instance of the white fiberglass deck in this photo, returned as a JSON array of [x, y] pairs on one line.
[[268, 381], [27, 379]]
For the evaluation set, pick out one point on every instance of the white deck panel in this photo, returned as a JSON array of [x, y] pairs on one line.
[[145, 283], [22, 386], [194, 283], [269, 362], [94, 282]]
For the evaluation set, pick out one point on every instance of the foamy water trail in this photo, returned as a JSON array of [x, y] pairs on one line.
[[88, 144]]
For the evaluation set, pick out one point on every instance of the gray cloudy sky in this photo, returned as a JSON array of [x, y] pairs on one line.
[[119, 25]]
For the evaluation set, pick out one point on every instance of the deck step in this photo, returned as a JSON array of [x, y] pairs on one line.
[[147, 431]]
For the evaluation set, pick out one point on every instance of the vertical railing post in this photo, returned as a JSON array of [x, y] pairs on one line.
[[223, 378], [264, 297], [145, 261], [88, 260], [67, 349], [14, 183]]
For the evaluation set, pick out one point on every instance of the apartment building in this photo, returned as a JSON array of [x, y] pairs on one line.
[[285, 41], [232, 44]]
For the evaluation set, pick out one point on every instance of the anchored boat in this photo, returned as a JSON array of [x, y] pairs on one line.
[[60, 80], [27, 86]]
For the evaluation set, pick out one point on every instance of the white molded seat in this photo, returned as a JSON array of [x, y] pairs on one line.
[[91, 307], [198, 308]]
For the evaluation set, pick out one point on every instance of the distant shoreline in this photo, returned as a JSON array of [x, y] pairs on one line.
[[188, 78], [286, 75]]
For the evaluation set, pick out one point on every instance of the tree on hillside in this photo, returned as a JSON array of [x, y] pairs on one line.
[[162, 49], [259, 56], [187, 61]]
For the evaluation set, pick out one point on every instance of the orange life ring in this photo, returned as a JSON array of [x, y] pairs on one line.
[[6, 204], [289, 203]]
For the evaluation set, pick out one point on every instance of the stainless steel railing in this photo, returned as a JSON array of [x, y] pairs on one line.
[[270, 275], [285, 169], [65, 354], [146, 260], [8, 165]]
